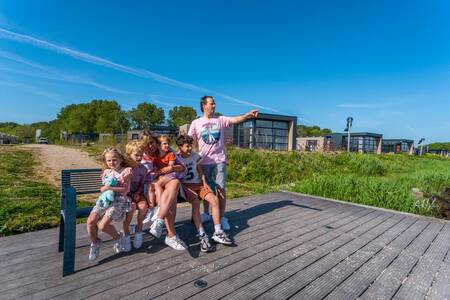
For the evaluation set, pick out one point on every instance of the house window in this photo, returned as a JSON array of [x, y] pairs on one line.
[[265, 134], [311, 145]]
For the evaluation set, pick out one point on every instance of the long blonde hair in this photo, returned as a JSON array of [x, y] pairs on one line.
[[124, 161]]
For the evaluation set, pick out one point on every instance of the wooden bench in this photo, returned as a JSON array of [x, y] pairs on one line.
[[73, 183]]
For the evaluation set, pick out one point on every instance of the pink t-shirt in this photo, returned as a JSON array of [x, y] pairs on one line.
[[209, 134]]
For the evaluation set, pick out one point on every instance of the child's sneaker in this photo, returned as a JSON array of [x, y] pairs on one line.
[[157, 227], [137, 241], [155, 214], [224, 223], [126, 243], [94, 250], [149, 216], [205, 217], [222, 238], [205, 245], [175, 243], [117, 245]]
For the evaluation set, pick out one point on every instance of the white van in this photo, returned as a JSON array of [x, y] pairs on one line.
[[43, 140]]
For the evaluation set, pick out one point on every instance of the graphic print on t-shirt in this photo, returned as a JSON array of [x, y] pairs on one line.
[[210, 133]]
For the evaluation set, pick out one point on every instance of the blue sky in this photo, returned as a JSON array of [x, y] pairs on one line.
[[385, 63]]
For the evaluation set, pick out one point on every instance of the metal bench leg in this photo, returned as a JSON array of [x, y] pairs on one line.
[[69, 232], [61, 233]]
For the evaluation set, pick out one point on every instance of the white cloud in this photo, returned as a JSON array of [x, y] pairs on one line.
[[26, 39], [55, 75]]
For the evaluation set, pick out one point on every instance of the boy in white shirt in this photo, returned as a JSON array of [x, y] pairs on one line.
[[196, 189]]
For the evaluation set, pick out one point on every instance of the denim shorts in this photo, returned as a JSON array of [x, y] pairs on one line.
[[215, 175]]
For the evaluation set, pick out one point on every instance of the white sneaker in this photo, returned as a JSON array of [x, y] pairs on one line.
[[126, 243], [175, 243], [117, 245], [137, 241], [155, 214], [149, 216], [222, 238], [224, 223], [94, 250], [157, 227], [205, 217]]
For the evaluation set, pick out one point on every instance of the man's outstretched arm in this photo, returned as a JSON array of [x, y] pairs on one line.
[[239, 119]]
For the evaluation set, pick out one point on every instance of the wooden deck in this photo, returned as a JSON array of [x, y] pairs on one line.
[[287, 246]]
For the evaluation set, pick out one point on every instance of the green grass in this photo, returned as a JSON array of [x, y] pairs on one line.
[[27, 202], [378, 180]]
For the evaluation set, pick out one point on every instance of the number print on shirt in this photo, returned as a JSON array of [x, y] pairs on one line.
[[190, 173]]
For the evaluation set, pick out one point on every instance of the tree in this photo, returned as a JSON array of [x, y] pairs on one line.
[[303, 130], [100, 116], [146, 115], [180, 115]]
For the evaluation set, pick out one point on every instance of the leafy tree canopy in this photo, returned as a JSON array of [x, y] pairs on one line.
[[180, 115], [303, 130], [439, 146], [146, 115]]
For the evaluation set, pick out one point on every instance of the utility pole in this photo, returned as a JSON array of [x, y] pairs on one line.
[[421, 145], [349, 130]]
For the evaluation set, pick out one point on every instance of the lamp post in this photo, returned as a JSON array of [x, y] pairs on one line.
[[421, 145], [349, 130]]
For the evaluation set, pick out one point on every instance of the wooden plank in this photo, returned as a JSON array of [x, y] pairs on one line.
[[272, 277], [98, 270], [287, 288], [249, 230], [325, 284], [360, 280], [418, 282], [387, 284], [228, 267], [440, 288], [381, 233], [130, 278], [83, 253]]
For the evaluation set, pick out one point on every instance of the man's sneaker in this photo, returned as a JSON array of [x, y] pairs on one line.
[[126, 243], [205, 217], [222, 238], [137, 241], [175, 243], [94, 250], [117, 245], [155, 214], [149, 216], [205, 245], [224, 223], [157, 227]]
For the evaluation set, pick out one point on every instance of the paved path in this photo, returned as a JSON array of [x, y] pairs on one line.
[[287, 246], [54, 158]]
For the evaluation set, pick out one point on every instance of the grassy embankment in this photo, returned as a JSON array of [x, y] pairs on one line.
[[27, 202], [378, 180]]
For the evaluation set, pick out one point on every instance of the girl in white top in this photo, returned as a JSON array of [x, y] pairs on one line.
[[114, 165]]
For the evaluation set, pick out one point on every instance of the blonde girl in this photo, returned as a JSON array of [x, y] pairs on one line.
[[100, 218], [134, 154]]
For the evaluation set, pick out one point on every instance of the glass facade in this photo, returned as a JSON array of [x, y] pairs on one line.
[[265, 134], [365, 144]]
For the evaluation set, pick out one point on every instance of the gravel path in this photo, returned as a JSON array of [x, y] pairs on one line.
[[55, 158]]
